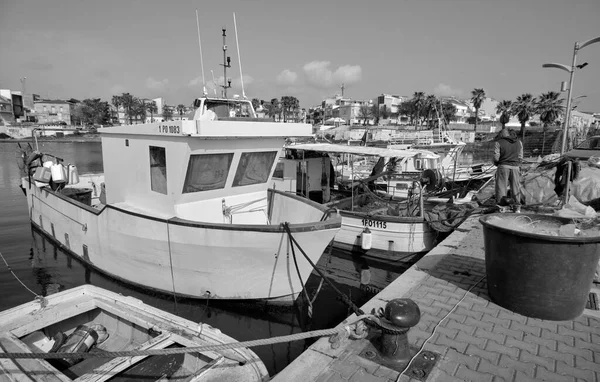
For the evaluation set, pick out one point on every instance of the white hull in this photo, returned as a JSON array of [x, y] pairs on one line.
[[392, 238], [186, 258]]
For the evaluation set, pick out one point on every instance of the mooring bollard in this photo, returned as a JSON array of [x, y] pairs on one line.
[[391, 348], [402, 314]]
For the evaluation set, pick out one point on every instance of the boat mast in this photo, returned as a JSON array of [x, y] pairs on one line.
[[226, 64]]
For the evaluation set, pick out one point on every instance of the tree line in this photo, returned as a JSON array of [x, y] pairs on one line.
[[548, 106], [284, 109]]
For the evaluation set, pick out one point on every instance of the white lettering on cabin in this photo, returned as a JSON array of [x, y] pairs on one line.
[[169, 129]]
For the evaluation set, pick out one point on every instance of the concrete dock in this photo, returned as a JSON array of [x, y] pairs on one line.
[[474, 340]]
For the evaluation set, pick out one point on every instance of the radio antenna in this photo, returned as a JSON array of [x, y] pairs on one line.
[[201, 60], [214, 82], [239, 58]]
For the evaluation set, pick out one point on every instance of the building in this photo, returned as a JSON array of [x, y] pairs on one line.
[[53, 111], [391, 103], [463, 109], [6, 111]]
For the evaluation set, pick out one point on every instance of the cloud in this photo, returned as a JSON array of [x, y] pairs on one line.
[[153, 84], [444, 90], [38, 64], [287, 77], [320, 75]]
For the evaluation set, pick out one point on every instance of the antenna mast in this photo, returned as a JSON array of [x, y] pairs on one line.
[[237, 43], [214, 82], [226, 64], [343, 90], [201, 60]]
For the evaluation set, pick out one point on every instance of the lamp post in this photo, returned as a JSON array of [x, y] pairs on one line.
[[571, 70]]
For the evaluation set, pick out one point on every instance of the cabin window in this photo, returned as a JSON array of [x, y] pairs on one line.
[[278, 173], [207, 172], [254, 168], [158, 169]]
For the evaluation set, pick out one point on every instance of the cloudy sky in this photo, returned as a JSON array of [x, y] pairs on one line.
[[305, 48]]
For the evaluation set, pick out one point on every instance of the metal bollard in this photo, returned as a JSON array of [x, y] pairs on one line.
[[401, 315], [391, 348]]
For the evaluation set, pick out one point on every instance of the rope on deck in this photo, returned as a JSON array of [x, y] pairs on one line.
[[355, 329]]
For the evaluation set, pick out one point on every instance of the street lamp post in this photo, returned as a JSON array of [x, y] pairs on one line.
[[571, 70]]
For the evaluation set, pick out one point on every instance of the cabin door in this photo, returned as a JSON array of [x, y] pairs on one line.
[[302, 178]]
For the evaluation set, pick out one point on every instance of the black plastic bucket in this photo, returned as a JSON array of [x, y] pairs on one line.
[[541, 276]]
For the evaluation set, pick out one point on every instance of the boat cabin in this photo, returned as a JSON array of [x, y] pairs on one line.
[[310, 169], [195, 169]]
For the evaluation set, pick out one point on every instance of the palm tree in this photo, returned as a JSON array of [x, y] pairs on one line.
[[449, 112], [430, 108], [116, 102], [273, 108], [524, 108], [167, 112], [477, 97], [549, 107], [504, 108], [418, 101], [152, 108], [128, 102], [181, 110]]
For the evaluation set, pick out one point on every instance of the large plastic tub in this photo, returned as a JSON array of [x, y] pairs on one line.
[[539, 275], [83, 195]]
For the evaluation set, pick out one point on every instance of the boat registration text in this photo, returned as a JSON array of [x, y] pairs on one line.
[[374, 223], [170, 129]]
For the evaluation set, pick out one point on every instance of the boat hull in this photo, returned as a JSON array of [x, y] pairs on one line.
[[185, 258], [392, 238]]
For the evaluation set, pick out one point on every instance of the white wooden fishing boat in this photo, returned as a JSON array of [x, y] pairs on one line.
[[371, 225], [90, 319], [183, 207]]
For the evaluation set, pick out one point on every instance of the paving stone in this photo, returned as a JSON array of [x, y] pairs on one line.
[[543, 324], [490, 335], [513, 342], [568, 358], [495, 320], [509, 332], [576, 351], [450, 343], [445, 307], [440, 349], [550, 344], [583, 363], [527, 357], [467, 374], [470, 339], [440, 376], [487, 367], [574, 333], [542, 374], [384, 372], [368, 366], [345, 369], [493, 346], [479, 324], [536, 331], [451, 323], [460, 358], [504, 313], [567, 340], [446, 365], [565, 369], [450, 333], [594, 347], [331, 376], [484, 354], [362, 376], [513, 363], [522, 377], [431, 310], [584, 328]]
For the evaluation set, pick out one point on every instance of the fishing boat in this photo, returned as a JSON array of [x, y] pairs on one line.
[[372, 225], [88, 319], [183, 207]]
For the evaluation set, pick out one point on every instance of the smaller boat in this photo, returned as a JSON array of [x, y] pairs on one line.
[[92, 319]]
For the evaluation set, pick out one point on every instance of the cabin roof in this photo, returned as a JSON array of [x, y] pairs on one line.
[[363, 150]]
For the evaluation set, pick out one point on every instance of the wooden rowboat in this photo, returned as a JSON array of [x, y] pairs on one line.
[[115, 323]]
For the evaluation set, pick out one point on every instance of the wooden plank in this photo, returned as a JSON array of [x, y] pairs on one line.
[[116, 365], [49, 315], [35, 369]]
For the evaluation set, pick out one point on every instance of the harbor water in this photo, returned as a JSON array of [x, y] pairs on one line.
[[44, 269]]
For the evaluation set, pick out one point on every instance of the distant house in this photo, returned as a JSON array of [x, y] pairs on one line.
[[53, 111], [463, 109], [6, 111]]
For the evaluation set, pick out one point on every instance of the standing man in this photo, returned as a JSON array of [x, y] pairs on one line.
[[508, 154]]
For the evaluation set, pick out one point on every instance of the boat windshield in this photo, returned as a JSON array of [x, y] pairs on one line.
[[590, 144], [219, 109]]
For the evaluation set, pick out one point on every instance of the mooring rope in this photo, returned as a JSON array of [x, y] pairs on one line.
[[354, 330], [37, 296]]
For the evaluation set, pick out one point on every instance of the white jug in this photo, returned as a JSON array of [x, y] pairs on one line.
[[59, 174], [73, 176]]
